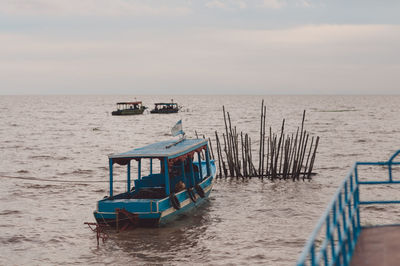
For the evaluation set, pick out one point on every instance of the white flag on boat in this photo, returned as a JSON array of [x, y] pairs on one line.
[[177, 129]]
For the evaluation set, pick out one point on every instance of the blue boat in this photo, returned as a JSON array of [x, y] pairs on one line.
[[180, 184], [340, 238]]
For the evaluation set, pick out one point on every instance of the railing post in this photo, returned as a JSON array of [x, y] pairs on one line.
[[328, 238], [353, 210], [333, 230], [347, 214], [390, 164], [312, 251], [357, 199], [344, 227]]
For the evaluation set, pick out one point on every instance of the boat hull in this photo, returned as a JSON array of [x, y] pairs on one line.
[[160, 212], [128, 112], [164, 111]]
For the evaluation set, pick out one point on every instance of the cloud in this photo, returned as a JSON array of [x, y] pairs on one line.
[[216, 4], [273, 4], [226, 5], [256, 4], [92, 8], [305, 59]]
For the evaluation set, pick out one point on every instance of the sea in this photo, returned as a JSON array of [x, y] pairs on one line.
[[54, 168]]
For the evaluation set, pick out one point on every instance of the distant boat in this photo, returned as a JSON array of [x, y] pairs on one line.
[[129, 108], [165, 108], [179, 185]]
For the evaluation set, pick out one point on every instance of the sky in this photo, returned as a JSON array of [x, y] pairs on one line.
[[199, 47]]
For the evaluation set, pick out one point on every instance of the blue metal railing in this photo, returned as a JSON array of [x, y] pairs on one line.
[[341, 220]]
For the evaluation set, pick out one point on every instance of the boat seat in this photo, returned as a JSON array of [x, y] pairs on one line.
[[150, 193], [155, 180]]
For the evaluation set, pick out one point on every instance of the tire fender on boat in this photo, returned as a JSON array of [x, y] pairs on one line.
[[174, 201], [192, 195], [200, 191]]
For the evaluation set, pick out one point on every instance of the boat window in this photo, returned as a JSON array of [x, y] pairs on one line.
[[119, 178], [156, 168]]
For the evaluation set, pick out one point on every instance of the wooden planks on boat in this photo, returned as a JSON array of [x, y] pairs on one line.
[[378, 246]]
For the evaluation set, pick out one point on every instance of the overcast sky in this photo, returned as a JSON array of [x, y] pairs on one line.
[[199, 47]]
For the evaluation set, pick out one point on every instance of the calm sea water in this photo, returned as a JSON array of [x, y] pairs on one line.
[[67, 138]]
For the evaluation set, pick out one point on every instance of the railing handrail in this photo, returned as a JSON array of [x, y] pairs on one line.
[[323, 218], [309, 248]]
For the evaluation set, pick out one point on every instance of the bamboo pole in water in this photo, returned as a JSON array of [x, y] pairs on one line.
[[261, 139], [279, 146], [263, 144], [283, 158], [218, 154], [308, 157], [313, 158], [243, 155], [211, 148]]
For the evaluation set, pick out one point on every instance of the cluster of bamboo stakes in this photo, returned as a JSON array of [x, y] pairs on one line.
[[281, 155]]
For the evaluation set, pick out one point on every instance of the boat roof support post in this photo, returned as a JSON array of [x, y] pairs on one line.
[[185, 180], [208, 162], [128, 170], [151, 166], [110, 161], [190, 161], [167, 191], [200, 168], [139, 169]]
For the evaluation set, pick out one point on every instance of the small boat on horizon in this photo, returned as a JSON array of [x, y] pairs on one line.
[[172, 185], [129, 108], [165, 108]]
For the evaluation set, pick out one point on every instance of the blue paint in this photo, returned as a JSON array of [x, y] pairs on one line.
[[192, 177], [185, 179], [139, 169], [343, 216], [128, 170], [167, 189], [150, 197], [110, 162], [208, 161], [159, 149], [200, 168]]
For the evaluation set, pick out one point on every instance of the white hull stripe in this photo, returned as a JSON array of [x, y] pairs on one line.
[[183, 203]]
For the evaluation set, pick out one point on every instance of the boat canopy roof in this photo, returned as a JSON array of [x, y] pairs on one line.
[[165, 103], [129, 103], [165, 149]]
